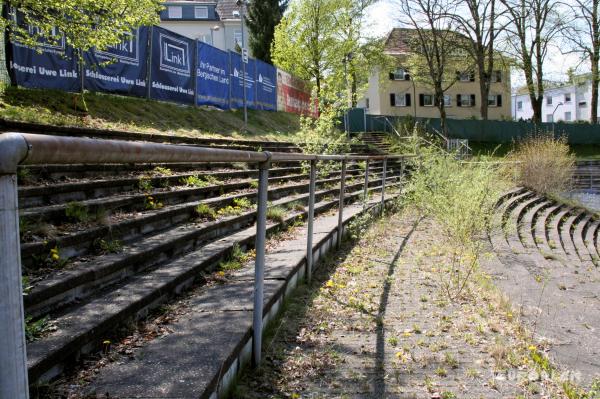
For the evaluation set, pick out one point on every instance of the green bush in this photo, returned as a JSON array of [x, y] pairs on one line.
[[460, 198], [542, 163]]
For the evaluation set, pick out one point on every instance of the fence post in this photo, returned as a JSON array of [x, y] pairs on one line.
[[366, 189], [13, 368], [311, 219], [384, 177], [259, 266], [341, 205]]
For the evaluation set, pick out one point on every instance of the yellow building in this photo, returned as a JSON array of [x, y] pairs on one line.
[[395, 93]]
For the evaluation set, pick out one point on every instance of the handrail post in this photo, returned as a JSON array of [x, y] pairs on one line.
[[341, 205], [13, 367], [259, 265], [383, 179], [366, 188], [311, 219]]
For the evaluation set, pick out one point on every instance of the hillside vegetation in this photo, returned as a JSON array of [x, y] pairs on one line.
[[140, 115]]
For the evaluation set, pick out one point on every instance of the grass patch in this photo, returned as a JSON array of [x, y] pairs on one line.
[[238, 206], [276, 214], [136, 114], [200, 181], [205, 211]]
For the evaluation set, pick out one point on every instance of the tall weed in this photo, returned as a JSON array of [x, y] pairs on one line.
[[542, 163], [460, 197]]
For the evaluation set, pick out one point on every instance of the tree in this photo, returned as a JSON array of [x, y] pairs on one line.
[[305, 43], [583, 34], [434, 47], [84, 23], [262, 18], [478, 21], [532, 28], [355, 48]]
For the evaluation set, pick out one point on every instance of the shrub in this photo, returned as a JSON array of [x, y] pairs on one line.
[[542, 163], [460, 198]]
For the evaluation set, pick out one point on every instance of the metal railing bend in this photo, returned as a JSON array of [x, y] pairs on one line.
[[28, 149]]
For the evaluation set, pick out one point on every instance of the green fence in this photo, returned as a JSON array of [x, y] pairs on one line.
[[479, 130]]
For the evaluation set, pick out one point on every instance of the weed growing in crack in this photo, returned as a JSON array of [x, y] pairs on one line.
[[460, 198]]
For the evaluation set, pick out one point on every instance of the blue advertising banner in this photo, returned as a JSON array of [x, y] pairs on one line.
[[120, 69], [173, 60], [52, 65], [238, 82], [266, 86], [213, 76]]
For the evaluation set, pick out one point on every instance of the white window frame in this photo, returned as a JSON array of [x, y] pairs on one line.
[[549, 118], [464, 76], [582, 104], [568, 95], [492, 100], [200, 12], [431, 104], [175, 12], [399, 100], [466, 103], [549, 100], [519, 105], [400, 73], [237, 38], [447, 100], [568, 116], [495, 75], [367, 103]]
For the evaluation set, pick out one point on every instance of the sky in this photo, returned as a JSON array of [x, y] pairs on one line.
[[382, 17]]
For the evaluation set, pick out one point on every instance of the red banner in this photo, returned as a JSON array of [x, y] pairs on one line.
[[293, 95]]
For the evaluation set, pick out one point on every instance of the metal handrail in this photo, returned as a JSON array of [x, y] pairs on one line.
[[27, 149]]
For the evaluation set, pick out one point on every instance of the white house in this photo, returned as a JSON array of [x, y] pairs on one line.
[[569, 102], [216, 22]]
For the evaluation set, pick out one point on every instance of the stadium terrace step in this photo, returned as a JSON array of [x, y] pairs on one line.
[[202, 361], [545, 232], [83, 278], [82, 327]]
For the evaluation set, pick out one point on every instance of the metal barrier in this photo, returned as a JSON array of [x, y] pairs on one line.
[[27, 149]]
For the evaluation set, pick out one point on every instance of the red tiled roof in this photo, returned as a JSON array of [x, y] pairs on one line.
[[225, 9]]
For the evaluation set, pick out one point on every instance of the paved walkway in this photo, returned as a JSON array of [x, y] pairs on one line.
[[377, 325]]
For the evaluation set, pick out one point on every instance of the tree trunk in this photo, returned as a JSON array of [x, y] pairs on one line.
[[595, 80], [536, 105], [594, 58], [484, 90]]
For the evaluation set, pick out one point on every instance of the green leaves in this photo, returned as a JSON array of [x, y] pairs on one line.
[[84, 23]]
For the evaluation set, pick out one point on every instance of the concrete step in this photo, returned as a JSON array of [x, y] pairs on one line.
[[204, 352], [83, 328]]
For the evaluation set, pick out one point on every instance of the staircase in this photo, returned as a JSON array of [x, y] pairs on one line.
[[377, 141]]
